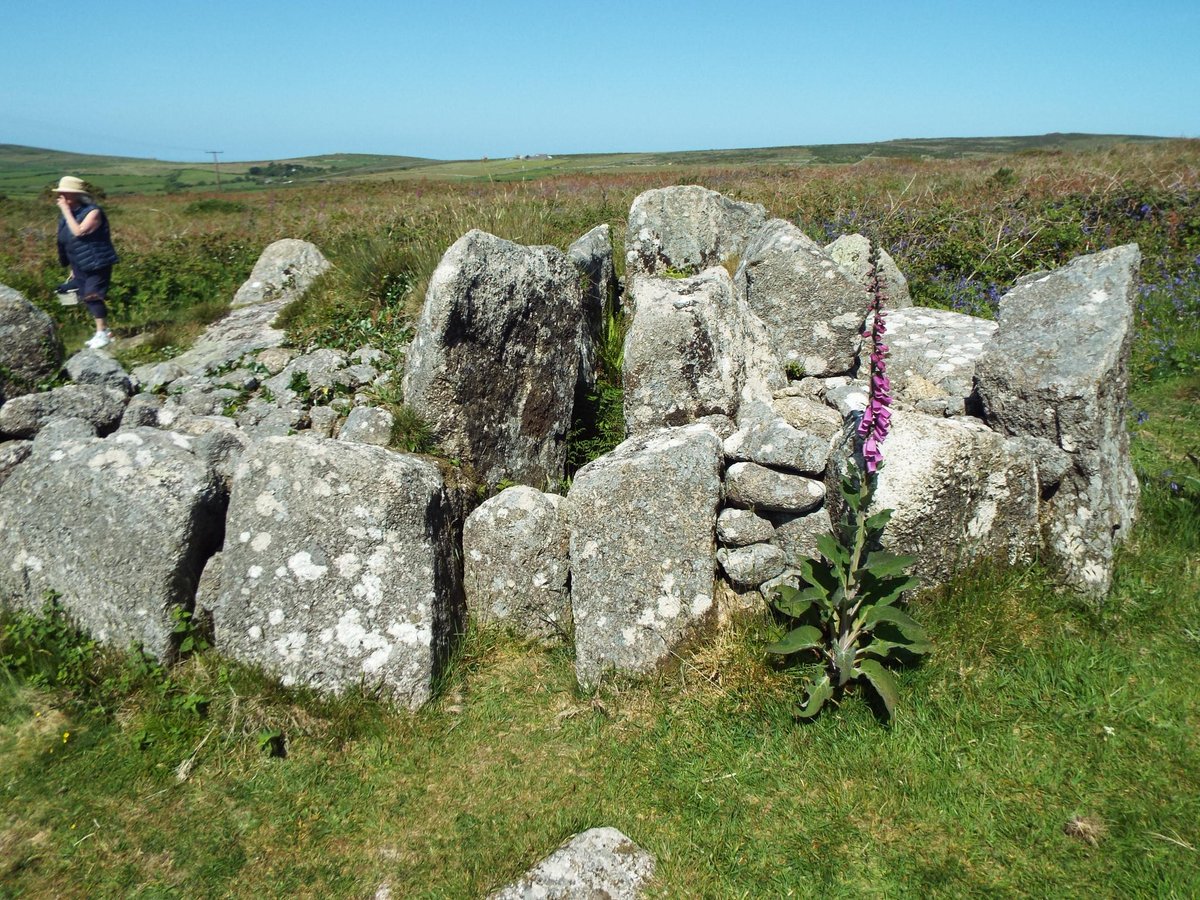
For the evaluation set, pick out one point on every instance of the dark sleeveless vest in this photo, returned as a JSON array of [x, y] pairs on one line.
[[90, 252]]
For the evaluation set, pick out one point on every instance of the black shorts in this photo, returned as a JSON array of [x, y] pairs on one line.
[[93, 288]]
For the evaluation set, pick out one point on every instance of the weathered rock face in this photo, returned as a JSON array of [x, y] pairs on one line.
[[97, 367], [24, 416], [284, 271], [12, 454], [29, 347], [813, 311], [339, 567], [600, 864], [516, 561], [1058, 370], [119, 528], [693, 350], [853, 253], [932, 355], [686, 228], [959, 491], [593, 258], [642, 549], [494, 363], [368, 425]]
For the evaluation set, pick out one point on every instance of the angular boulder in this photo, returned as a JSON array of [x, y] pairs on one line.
[[592, 257], [959, 492], [368, 425], [599, 864], [284, 271], [932, 354], [692, 350], [685, 229], [516, 561], [339, 567], [853, 253], [1058, 370], [639, 587], [97, 367], [494, 363], [813, 311], [119, 528], [30, 350], [24, 416]]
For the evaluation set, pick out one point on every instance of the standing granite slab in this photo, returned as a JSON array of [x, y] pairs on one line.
[[1058, 370], [694, 349], [118, 528], [643, 552], [516, 563], [340, 567], [495, 359], [813, 310], [30, 350]]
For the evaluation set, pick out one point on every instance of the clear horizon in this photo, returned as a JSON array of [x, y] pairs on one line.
[[275, 81]]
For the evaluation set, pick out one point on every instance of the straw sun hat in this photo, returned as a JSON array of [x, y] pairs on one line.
[[69, 184]]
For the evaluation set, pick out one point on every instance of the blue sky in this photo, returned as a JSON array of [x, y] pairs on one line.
[[269, 80]]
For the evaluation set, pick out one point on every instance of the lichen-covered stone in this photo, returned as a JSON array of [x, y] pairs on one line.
[[749, 566], [685, 229], [339, 567], [284, 271], [12, 454], [640, 587], [766, 438], [739, 527], [368, 425], [516, 561], [600, 864], [959, 491], [752, 486], [932, 355], [592, 257], [495, 360], [142, 411], [30, 350], [1058, 369], [692, 350], [853, 253], [23, 417], [97, 367], [812, 310], [119, 528]]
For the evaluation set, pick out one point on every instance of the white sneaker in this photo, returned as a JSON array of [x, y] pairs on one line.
[[100, 339]]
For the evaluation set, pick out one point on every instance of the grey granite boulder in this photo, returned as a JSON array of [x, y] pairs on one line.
[[340, 567], [368, 425], [812, 310], [516, 561], [686, 229], [30, 350], [284, 271], [932, 355], [119, 528], [853, 253], [142, 410], [796, 535], [1058, 370], [495, 360], [960, 492], [23, 417], [749, 566], [97, 367], [642, 549], [600, 864], [768, 439], [592, 257], [752, 486], [693, 350], [12, 454], [739, 527]]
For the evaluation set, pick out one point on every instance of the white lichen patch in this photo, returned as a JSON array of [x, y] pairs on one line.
[[261, 542], [303, 567], [266, 504]]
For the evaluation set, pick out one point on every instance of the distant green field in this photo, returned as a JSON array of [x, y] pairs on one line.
[[27, 171]]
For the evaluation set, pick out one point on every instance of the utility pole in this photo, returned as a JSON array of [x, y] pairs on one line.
[[216, 168]]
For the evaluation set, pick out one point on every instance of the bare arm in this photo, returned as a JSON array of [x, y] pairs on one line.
[[89, 224]]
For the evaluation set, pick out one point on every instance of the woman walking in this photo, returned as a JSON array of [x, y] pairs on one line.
[[85, 245]]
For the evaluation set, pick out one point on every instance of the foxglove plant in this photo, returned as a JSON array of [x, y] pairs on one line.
[[848, 609]]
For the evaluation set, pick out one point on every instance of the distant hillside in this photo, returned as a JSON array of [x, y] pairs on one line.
[[26, 171]]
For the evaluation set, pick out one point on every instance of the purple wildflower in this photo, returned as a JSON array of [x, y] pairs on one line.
[[877, 417]]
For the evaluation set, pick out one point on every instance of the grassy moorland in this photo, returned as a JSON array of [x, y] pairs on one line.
[[1047, 747]]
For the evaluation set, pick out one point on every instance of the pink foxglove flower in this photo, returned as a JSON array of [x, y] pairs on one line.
[[876, 419]]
